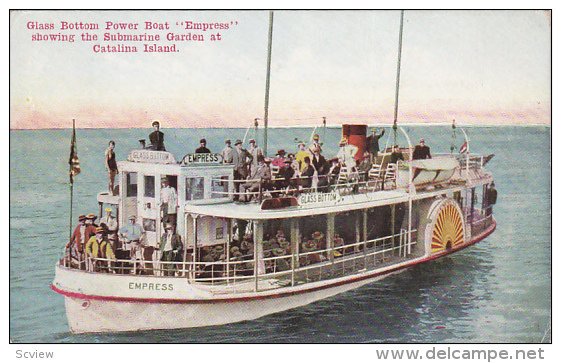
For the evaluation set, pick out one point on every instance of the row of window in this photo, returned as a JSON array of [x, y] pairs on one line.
[[194, 187]]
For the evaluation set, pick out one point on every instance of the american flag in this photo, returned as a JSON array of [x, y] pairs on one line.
[[73, 161]]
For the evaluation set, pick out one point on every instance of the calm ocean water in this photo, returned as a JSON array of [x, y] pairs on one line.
[[496, 291]]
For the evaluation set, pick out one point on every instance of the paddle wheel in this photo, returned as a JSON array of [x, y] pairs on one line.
[[446, 228]]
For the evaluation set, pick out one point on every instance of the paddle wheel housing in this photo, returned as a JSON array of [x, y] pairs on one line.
[[445, 228]]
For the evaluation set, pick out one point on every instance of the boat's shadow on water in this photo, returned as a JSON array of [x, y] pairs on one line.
[[426, 303]]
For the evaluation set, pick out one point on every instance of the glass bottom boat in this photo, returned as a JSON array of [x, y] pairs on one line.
[[293, 244]]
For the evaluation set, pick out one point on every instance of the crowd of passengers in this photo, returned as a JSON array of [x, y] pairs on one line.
[[104, 247], [287, 173], [276, 254]]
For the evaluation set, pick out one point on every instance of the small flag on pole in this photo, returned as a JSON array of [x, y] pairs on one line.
[[464, 148], [74, 162]]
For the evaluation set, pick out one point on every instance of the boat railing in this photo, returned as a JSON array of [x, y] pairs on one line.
[[481, 220], [240, 273], [355, 182]]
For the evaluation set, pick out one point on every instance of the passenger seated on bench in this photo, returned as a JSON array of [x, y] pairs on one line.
[[396, 155], [260, 173], [246, 247], [364, 166], [307, 172], [286, 173], [337, 243], [334, 170]]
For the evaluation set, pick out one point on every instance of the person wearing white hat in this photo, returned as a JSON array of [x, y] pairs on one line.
[[347, 154], [110, 222]]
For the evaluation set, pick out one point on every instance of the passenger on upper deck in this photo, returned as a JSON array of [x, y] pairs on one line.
[[261, 173], [421, 151], [255, 152], [372, 142], [307, 173], [241, 159], [279, 159], [316, 144], [202, 149], [396, 155], [347, 154], [111, 166], [227, 153], [157, 138], [334, 170], [168, 197], [301, 154], [364, 166], [286, 172], [318, 160]]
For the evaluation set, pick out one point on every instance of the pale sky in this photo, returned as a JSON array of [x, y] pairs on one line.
[[487, 67]]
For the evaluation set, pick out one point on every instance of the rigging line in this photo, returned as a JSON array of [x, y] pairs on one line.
[[397, 77]]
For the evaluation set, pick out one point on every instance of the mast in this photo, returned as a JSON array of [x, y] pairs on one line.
[[268, 82], [397, 78]]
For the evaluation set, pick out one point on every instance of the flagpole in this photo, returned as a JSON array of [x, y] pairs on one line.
[[71, 179]]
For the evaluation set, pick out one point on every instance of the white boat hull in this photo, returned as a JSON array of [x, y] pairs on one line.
[[110, 303], [107, 316]]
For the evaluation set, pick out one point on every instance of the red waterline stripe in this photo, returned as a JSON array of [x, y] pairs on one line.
[[81, 296]]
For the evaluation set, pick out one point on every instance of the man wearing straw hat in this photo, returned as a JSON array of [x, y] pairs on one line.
[[110, 223], [347, 154], [80, 236]]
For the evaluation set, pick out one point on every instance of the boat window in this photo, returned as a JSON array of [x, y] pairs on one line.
[[219, 186], [149, 225], [131, 180], [149, 186], [194, 188]]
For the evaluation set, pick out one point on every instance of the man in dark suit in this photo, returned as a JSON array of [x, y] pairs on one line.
[[172, 249], [373, 143], [157, 138], [421, 151], [491, 198], [241, 159]]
